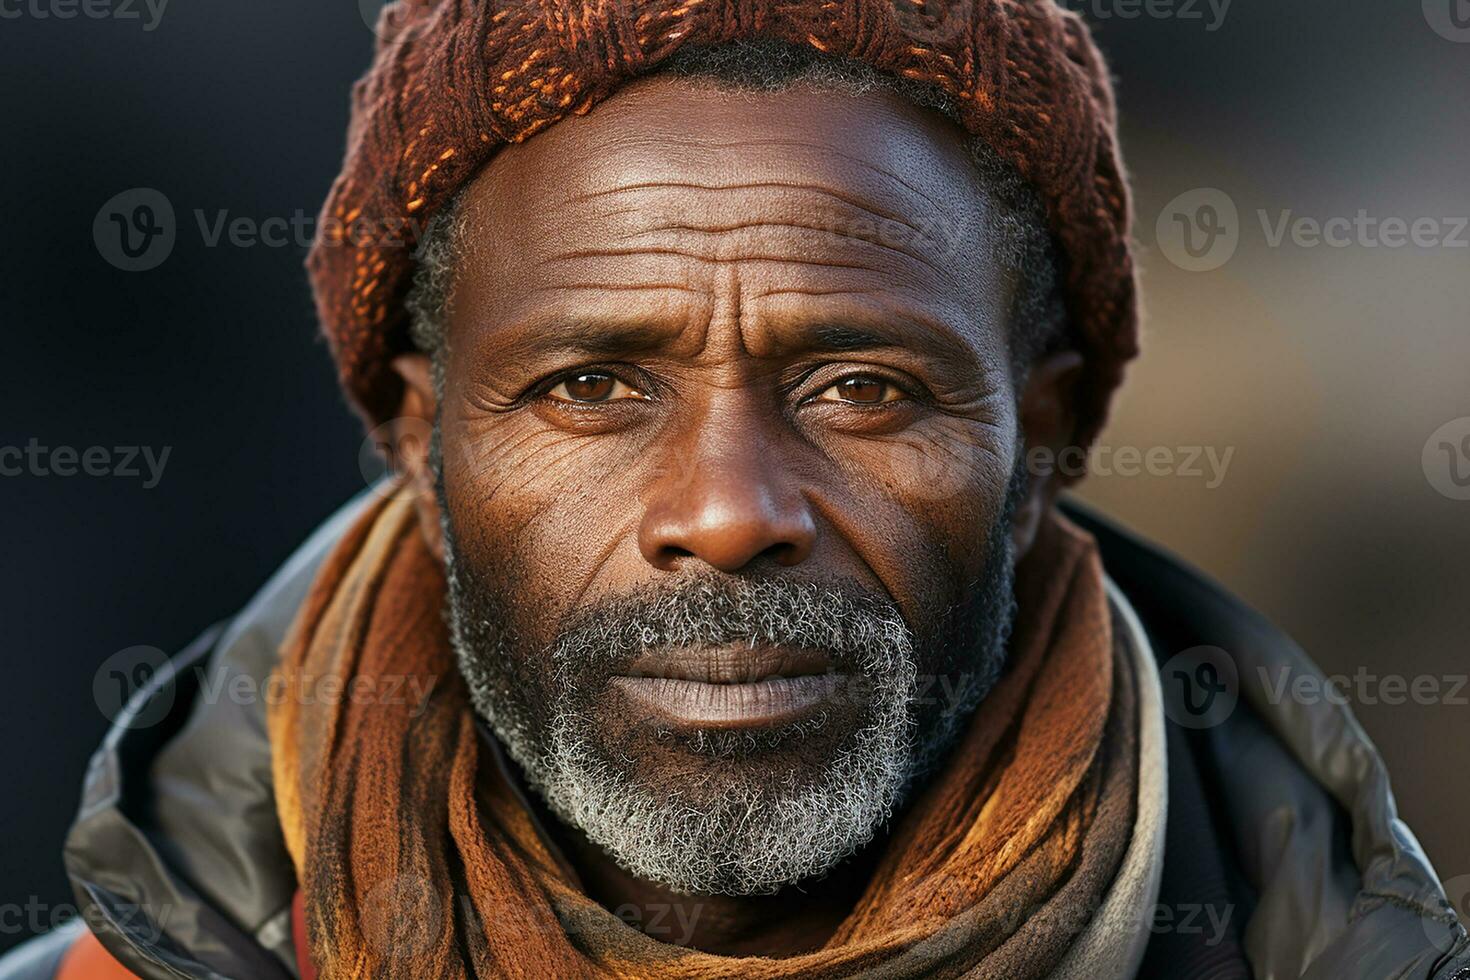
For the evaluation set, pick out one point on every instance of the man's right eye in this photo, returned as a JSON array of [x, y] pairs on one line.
[[593, 387]]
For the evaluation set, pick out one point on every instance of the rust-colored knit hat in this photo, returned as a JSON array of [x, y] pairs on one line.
[[455, 80]]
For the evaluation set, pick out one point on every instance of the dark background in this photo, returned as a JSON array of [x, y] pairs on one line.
[[1325, 369]]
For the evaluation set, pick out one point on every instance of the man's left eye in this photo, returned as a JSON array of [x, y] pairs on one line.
[[863, 390], [592, 388]]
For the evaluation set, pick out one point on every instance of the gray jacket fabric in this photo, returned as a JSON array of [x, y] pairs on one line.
[[1284, 855]]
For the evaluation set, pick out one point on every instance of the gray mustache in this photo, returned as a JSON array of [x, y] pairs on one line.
[[857, 629]]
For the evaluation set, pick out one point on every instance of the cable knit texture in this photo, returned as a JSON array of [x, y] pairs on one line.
[[455, 80]]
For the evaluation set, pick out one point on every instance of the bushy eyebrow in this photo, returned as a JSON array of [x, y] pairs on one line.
[[871, 330], [841, 322], [600, 338], [613, 340], [841, 338]]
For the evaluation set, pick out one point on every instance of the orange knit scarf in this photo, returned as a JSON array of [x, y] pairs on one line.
[[414, 862]]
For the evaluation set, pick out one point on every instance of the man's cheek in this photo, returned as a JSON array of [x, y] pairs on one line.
[[554, 515], [522, 461], [529, 474], [937, 463], [918, 509]]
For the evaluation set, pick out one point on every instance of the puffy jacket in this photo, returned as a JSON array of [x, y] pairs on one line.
[[1284, 855]]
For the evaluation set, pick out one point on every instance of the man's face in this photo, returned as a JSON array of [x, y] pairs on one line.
[[727, 437]]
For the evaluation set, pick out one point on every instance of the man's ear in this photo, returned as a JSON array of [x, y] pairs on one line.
[[1048, 420], [409, 437]]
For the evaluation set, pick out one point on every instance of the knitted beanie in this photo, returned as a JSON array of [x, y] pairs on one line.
[[454, 80]]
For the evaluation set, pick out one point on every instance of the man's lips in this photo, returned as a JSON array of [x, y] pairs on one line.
[[730, 686]]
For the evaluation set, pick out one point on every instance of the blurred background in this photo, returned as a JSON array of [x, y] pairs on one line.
[[1328, 374]]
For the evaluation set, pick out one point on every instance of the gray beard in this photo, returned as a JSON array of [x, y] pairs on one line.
[[742, 831], [749, 833]]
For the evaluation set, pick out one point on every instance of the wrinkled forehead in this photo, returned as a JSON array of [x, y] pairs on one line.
[[809, 188]]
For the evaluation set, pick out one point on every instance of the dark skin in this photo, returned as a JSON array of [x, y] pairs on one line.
[[698, 328]]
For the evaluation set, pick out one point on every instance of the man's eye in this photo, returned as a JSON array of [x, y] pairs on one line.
[[593, 387], [863, 390]]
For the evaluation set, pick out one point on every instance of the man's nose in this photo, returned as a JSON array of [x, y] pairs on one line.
[[727, 508]]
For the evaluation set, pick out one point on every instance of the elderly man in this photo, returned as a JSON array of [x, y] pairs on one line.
[[720, 627]]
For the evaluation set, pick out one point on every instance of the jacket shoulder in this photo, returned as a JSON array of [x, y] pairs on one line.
[[1297, 787], [175, 855]]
